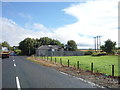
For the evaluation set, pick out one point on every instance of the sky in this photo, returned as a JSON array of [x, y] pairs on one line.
[[78, 21]]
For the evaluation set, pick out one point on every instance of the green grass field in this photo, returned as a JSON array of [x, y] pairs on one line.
[[102, 64]]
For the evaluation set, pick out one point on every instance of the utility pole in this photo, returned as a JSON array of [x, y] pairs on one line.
[[99, 41], [95, 43]]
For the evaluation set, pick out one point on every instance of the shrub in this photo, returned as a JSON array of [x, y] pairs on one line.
[[88, 53], [118, 52], [99, 54], [18, 51]]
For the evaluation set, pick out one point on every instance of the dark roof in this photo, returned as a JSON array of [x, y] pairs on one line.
[[49, 47]]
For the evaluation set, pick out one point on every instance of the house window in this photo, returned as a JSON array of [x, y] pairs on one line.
[[49, 50]]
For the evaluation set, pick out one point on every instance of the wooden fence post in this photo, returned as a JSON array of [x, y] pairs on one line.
[[118, 79], [55, 60], [60, 61], [68, 63], [47, 57], [77, 64], [112, 70], [51, 58], [92, 66]]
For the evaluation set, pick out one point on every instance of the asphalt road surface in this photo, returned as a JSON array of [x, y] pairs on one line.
[[17, 72]]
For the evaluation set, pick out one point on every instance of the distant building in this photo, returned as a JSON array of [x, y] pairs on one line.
[[5, 49], [55, 50], [49, 50]]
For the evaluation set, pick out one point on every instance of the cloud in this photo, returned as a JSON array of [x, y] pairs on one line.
[[26, 16], [93, 18], [13, 33]]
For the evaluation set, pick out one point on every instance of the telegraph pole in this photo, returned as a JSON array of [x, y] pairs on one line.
[[95, 43], [99, 40]]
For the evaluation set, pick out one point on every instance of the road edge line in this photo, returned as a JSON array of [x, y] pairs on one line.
[[91, 83]]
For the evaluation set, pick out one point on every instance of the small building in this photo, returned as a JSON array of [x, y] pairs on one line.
[[56, 50], [49, 50]]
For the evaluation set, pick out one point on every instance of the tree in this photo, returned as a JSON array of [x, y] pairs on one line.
[[27, 46], [55, 42], [49, 41], [17, 51], [71, 45], [45, 41], [5, 44], [109, 47]]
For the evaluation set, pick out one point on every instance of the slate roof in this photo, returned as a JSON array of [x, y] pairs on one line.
[[49, 47]]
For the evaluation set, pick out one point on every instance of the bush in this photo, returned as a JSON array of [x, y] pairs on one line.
[[88, 53], [18, 52], [118, 52], [99, 54]]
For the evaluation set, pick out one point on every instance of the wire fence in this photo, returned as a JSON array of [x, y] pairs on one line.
[[106, 69]]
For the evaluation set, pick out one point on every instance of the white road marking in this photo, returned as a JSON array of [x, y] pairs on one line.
[[18, 83], [14, 65], [64, 73], [13, 60], [93, 84]]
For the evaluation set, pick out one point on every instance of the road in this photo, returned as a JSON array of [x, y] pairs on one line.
[[17, 72]]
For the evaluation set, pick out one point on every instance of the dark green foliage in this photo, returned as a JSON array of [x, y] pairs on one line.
[[49, 41], [5, 44], [17, 51], [71, 45], [118, 52], [45, 41], [27, 46], [88, 53], [109, 46]]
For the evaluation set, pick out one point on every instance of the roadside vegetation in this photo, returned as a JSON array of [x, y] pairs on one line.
[[102, 64]]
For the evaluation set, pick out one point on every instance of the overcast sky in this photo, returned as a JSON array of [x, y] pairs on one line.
[[79, 21]]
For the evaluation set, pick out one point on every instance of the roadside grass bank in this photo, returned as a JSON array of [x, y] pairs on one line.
[[42, 62]]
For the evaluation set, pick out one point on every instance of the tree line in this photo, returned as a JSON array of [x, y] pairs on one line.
[[29, 45]]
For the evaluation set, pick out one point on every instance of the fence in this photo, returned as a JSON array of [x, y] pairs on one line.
[[91, 66]]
